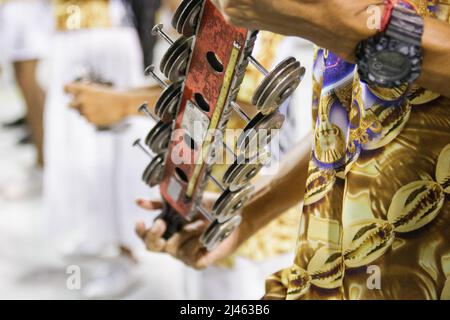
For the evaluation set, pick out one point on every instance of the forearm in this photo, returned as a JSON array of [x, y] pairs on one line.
[[340, 26], [134, 98], [436, 46], [275, 196]]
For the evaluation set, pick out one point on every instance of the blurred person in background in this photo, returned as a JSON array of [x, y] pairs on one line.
[[92, 172], [25, 29]]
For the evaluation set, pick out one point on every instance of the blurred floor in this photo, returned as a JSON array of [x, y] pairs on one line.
[[28, 270]]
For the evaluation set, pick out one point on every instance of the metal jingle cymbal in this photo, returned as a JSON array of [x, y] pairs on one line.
[[186, 17], [240, 173], [258, 133], [230, 203], [158, 138], [177, 63], [281, 89], [275, 77], [153, 174], [166, 106], [178, 11], [278, 74], [272, 74], [174, 63], [171, 55], [218, 232]]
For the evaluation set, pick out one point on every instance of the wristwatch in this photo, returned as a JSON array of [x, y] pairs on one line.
[[393, 57]]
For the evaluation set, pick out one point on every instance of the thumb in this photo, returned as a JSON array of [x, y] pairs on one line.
[[74, 88], [207, 258], [149, 204]]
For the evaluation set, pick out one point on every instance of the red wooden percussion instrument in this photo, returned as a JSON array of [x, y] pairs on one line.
[[206, 67]]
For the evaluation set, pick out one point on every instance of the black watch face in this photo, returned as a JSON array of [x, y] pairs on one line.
[[389, 66]]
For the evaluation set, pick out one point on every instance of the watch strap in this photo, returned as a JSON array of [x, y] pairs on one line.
[[405, 25]]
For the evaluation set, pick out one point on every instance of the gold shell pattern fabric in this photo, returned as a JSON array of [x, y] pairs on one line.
[[376, 218], [443, 169]]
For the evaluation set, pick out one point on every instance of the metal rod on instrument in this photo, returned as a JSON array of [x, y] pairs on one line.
[[216, 182], [206, 214], [230, 151], [138, 144], [258, 66], [239, 110], [158, 30], [150, 71], [144, 109]]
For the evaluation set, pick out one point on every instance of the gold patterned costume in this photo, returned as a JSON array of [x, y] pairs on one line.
[[376, 220]]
